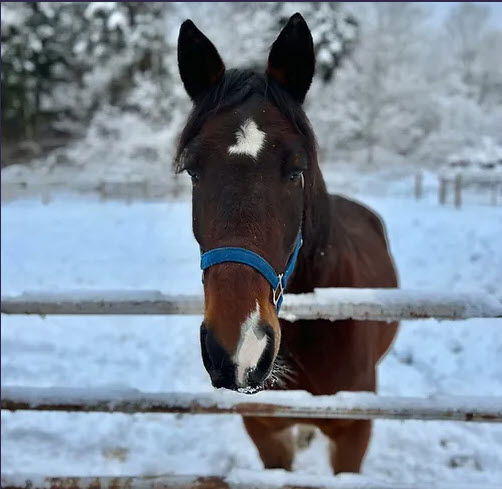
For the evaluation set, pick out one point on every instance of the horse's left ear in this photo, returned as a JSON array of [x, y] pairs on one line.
[[291, 61]]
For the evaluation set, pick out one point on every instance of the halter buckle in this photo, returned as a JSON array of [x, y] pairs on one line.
[[278, 292]]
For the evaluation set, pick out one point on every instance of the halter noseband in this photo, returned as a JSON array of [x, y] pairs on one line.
[[278, 281]]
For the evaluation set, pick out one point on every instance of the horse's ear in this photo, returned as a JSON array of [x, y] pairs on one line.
[[199, 63], [291, 61]]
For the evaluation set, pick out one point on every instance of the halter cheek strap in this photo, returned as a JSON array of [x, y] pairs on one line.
[[278, 282]]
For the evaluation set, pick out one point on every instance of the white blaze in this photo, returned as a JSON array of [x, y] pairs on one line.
[[251, 345], [250, 140]]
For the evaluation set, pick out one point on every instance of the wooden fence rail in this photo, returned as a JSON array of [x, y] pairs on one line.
[[286, 481], [291, 404], [332, 304]]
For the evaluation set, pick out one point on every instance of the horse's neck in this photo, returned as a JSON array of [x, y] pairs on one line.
[[318, 233]]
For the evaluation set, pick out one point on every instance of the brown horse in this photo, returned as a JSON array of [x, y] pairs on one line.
[[251, 153]]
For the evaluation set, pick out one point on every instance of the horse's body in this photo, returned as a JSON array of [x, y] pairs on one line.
[[251, 154], [324, 357]]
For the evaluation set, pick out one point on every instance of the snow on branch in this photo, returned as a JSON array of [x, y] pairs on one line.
[[296, 404], [332, 304]]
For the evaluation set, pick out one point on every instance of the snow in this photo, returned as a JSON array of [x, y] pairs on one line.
[[94, 8], [486, 152], [75, 244]]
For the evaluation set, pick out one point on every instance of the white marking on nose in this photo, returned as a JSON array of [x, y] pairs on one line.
[[250, 140], [251, 345]]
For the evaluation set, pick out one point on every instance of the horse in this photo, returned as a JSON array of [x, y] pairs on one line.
[[259, 206]]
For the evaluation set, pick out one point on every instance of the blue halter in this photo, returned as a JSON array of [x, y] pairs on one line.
[[278, 282]]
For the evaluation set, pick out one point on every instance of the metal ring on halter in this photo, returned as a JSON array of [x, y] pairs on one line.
[[276, 297]]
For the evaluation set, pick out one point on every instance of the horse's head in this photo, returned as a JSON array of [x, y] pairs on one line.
[[246, 146]]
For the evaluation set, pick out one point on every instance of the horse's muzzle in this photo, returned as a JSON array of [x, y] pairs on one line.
[[224, 372]]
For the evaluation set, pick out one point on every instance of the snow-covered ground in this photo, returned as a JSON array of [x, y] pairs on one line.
[[74, 243]]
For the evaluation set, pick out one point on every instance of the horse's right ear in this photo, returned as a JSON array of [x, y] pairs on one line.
[[199, 63]]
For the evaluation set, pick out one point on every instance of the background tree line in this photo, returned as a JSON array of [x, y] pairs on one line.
[[388, 79]]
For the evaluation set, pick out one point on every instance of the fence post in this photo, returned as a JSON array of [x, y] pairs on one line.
[[418, 185], [458, 190], [495, 190], [146, 190], [442, 190], [46, 195]]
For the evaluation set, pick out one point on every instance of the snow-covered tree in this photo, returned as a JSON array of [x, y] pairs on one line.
[[36, 59], [128, 50], [380, 97], [464, 83], [334, 32], [387, 77], [473, 49], [67, 59], [466, 26]]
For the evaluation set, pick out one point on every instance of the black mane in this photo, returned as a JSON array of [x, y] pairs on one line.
[[234, 89]]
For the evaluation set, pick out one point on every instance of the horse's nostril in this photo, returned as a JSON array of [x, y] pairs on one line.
[[219, 380], [206, 359], [223, 377], [257, 376], [216, 360], [215, 378]]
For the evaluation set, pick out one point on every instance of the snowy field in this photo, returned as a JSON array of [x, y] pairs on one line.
[[75, 244]]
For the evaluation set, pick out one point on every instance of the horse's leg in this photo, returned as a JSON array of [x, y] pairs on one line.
[[274, 439], [348, 444]]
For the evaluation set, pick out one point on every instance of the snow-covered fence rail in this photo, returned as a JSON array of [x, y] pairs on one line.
[[238, 479], [114, 190], [290, 404], [332, 304]]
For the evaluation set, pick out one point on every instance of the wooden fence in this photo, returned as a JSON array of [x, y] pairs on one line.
[[105, 190], [332, 304], [289, 404], [253, 481], [459, 180], [28, 481]]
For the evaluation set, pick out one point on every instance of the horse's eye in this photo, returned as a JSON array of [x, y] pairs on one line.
[[295, 175], [194, 174]]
